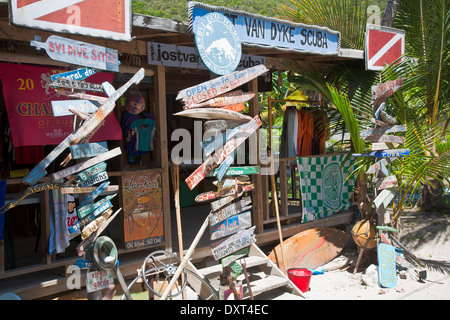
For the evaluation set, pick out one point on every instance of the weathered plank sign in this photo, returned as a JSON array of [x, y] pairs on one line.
[[231, 225], [220, 125], [90, 216], [211, 195], [234, 256], [92, 171], [29, 191], [384, 146], [224, 100], [378, 122], [92, 124], [387, 118], [94, 179], [62, 108], [385, 138], [383, 91], [98, 191], [213, 88], [77, 84], [91, 239], [86, 165], [80, 95], [71, 190], [384, 198], [377, 166], [227, 246], [387, 273], [79, 53], [78, 74], [237, 171], [218, 140], [213, 113], [382, 130], [228, 211], [386, 183], [220, 155], [89, 208], [396, 153], [88, 150], [95, 224], [240, 180]]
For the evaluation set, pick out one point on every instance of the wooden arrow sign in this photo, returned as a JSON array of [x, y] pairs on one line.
[[218, 140], [88, 150], [380, 165], [385, 138], [378, 122], [78, 74], [384, 146], [240, 180], [237, 171], [231, 225], [88, 126], [81, 95], [238, 241], [70, 190], [384, 198], [230, 210], [395, 153], [86, 165], [77, 84], [382, 130], [387, 118], [213, 88], [80, 53], [211, 195], [220, 155], [62, 108], [386, 183], [383, 91], [228, 99]]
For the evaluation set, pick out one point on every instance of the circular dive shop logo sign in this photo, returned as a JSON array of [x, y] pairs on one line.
[[218, 43]]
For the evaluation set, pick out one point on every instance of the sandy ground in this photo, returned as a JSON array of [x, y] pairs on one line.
[[426, 235]]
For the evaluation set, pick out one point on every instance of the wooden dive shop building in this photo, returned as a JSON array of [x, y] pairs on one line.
[[27, 268]]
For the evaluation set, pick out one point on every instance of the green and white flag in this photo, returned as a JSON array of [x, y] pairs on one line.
[[325, 187]]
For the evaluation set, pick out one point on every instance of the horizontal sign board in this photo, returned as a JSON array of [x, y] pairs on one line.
[[80, 53], [92, 171], [62, 108], [99, 177], [76, 84], [269, 32], [382, 130], [231, 225], [228, 211], [227, 246], [388, 182], [237, 171], [99, 280], [87, 150], [383, 91], [169, 55], [110, 19], [385, 138], [69, 190], [394, 153], [384, 198], [78, 74]]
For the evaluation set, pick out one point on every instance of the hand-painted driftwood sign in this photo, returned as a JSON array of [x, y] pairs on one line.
[[383, 91], [240, 240], [234, 256], [62, 108], [228, 211], [213, 88], [78, 74], [231, 225], [384, 198], [237, 171], [99, 177], [218, 43], [386, 183], [387, 272], [80, 53], [220, 155], [224, 100], [98, 191], [218, 140], [80, 95], [92, 171], [262, 31], [213, 113], [382, 130], [77, 84], [240, 180], [385, 138], [211, 195], [88, 150], [86, 165], [86, 129], [395, 153], [70, 190]]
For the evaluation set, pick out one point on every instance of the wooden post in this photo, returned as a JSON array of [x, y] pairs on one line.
[[163, 160], [257, 195]]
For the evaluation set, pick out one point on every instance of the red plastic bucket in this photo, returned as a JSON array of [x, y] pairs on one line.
[[300, 277]]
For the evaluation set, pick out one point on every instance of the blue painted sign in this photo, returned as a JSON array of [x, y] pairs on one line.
[[80, 53], [79, 74], [387, 272], [218, 43], [264, 31], [86, 150]]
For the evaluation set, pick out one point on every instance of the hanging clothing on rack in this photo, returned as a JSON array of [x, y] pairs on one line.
[[305, 132], [139, 131], [287, 134]]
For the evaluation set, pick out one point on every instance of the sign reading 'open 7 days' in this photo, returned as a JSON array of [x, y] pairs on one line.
[[213, 88]]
